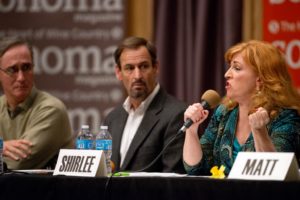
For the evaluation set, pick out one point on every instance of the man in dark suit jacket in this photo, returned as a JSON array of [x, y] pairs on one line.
[[149, 118]]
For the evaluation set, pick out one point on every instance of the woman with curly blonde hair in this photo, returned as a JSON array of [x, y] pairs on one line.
[[260, 113]]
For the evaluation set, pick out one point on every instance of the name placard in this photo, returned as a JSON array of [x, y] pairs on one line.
[[74, 162], [265, 166]]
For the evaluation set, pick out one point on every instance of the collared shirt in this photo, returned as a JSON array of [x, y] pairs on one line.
[[43, 121], [22, 106], [134, 120], [13, 113]]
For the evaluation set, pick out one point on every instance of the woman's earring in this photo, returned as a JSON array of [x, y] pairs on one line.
[[258, 92]]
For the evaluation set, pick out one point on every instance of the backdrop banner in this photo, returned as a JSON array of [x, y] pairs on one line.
[[74, 41], [281, 27]]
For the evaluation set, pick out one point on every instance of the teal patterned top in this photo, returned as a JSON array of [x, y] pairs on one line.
[[218, 138]]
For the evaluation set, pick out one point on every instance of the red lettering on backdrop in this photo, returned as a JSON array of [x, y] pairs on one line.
[[281, 27]]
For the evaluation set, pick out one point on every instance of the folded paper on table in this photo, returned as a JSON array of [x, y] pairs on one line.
[[74, 162], [265, 166]]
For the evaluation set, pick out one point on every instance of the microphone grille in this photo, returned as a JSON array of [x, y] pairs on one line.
[[212, 98]]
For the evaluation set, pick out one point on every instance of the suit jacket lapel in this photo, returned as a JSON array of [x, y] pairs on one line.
[[117, 132], [148, 122]]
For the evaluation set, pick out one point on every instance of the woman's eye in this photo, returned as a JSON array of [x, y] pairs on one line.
[[236, 67]]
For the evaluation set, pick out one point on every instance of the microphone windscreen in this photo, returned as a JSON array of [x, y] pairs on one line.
[[212, 98]]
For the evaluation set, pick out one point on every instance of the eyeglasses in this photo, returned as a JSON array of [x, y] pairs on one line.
[[14, 70]]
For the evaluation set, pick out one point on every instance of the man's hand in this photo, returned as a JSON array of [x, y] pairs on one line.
[[17, 149]]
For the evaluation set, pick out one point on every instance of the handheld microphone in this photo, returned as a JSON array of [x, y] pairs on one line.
[[210, 99]]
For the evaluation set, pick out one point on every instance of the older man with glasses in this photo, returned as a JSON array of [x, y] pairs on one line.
[[34, 124]]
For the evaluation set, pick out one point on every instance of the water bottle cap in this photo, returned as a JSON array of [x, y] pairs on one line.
[[103, 127], [85, 126]]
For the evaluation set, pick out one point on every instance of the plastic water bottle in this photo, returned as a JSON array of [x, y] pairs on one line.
[[1, 155], [85, 139], [104, 142]]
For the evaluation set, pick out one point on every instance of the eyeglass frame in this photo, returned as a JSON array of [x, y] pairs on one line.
[[14, 70]]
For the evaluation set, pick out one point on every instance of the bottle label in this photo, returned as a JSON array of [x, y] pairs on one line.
[[84, 144], [103, 144]]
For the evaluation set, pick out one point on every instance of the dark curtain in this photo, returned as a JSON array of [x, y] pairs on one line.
[[192, 37]]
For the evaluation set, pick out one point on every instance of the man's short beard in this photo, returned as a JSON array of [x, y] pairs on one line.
[[140, 94]]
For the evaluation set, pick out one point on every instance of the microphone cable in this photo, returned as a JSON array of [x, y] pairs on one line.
[[107, 185], [109, 179], [179, 132]]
